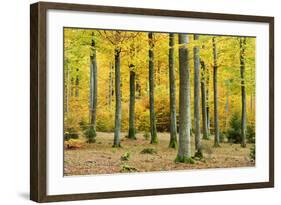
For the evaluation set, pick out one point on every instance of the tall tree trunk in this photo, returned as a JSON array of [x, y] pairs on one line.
[[207, 86], [77, 90], [216, 117], [93, 93], [184, 153], [243, 90], [203, 97], [110, 86], [173, 120], [67, 91], [226, 105], [153, 131], [117, 132], [196, 57], [132, 130], [77, 86]]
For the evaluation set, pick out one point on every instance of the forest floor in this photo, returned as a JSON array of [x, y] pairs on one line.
[[102, 158]]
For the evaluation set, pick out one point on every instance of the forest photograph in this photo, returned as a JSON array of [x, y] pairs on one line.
[[144, 101]]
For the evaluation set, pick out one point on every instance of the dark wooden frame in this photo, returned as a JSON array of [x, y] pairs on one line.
[[38, 85]]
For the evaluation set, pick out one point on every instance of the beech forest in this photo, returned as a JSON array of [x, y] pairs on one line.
[[149, 101]]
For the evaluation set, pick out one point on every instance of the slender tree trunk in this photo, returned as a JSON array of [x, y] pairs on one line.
[[216, 117], [117, 132], [110, 86], [72, 88], [77, 86], [203, 96], [226, 106], [207, 99], [77, 90], [132, 130], [243, 90], [173, 120], [153, 131], [93, 92], [67, 90], [196, 57], [184, 153]]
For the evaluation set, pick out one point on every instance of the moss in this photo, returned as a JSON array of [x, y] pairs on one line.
[[173, 144], [127, 168], [90, 134], [184, 159], [154, 140], [149, 151], [198, 155], [132, 134], [117, 145], [125, 156]]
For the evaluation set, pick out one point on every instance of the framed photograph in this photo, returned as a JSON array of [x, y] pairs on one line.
[[135, 102]]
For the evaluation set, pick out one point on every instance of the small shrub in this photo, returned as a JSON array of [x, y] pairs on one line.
[[222, 136], [146, 135], [251, 133], [184, 159], [128, 168], [71, 133], [125, 156], [234, 131], [149, 151], [253, 153], [73, 144], [90, 134]]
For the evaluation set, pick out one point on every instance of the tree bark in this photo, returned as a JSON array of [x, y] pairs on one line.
[[153, 131], [198, 152], [132, 130], [243, 91], [93, 93], [110, 86], [173, 120], [117, 131], [184, 153], [203, 99], [216, 117], [67, 90], [207, 77]]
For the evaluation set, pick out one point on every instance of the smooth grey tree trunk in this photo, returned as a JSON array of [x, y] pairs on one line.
[[93, 93], [173, 120], [207, 78], [196, 59], [203, 99], [216, 117], [110, 86], [243, 90], [184, 152], [117, 131], [132, 130], [67, 91], [77, 86], [77, 90], [153, 131]]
